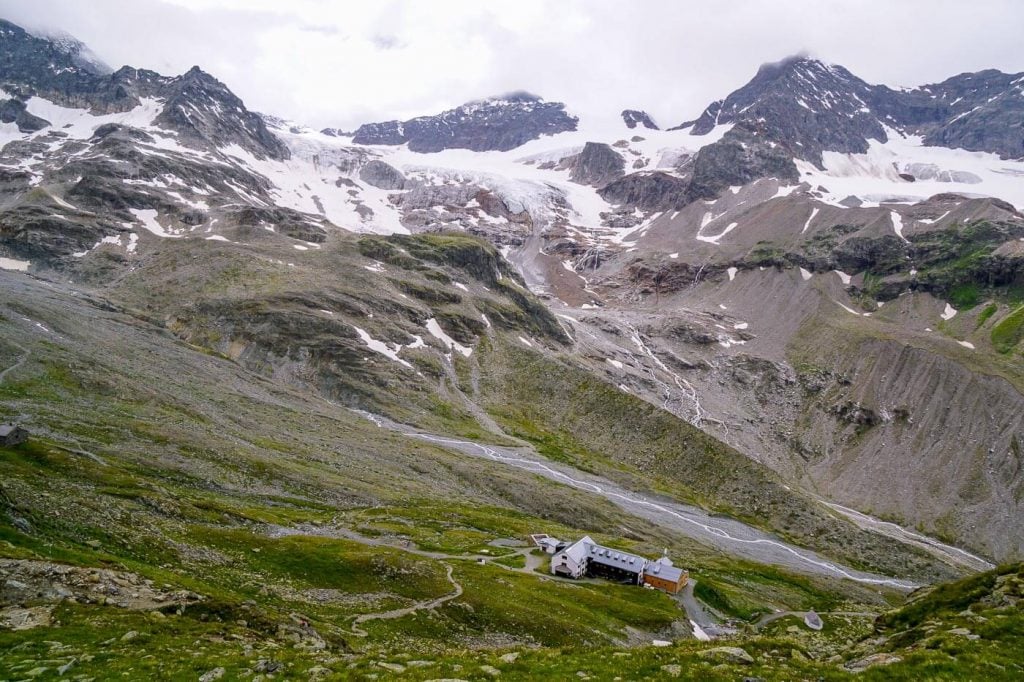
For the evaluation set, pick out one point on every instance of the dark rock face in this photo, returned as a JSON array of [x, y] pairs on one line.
[[200, 106], [653, 191], [809, 107], [382, 175], [741, 156], [13, 111], [636, 117], [597, 165], [987, 110], [496, 124], [38, 63], [803, 104], [196, 105]]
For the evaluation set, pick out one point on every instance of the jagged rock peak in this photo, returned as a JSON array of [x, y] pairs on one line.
[[635, 117], [497, 123]]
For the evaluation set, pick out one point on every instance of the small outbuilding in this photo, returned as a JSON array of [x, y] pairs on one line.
[[549, 544], [11, 434], [664, 576]]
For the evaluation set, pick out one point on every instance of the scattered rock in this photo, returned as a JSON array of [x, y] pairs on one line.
[[393, 667], [265, 665], [964, 632], [672, 670], [490, 670], [211, 675], [728, 654], [17, 618], [510, 657], [872, 660], [661, 642]]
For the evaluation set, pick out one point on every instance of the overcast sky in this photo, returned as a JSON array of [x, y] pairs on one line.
[[345, 62]]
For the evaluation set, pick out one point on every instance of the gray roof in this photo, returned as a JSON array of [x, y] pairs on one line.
[[577, 551], [664, 571], [613, 557]]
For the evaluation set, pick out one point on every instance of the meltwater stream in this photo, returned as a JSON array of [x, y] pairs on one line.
[[728, 535]]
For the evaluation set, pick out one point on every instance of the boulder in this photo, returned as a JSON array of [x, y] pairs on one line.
[[382, 175], [728, 654], [872, 660]]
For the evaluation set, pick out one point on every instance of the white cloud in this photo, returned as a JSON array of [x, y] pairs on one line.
[[344, 63]]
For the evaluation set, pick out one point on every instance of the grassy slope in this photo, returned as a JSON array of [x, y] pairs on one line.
[[200, 452], [562, 407], [198, 455]]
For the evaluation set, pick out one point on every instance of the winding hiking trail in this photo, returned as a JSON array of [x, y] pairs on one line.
[[405, 611], [25, 353], [726, 534]]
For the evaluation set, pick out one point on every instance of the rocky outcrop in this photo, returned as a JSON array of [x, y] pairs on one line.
[[741, 156], [810, 107], [597, 165], [496, 124], [636, 117], [201, 109], [13, 111], [382, 175], [805, 104], [986, 109], [648, 191]]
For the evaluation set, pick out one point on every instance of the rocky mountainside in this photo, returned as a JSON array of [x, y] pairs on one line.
[[494, 124], [307, 391], [813, 107]]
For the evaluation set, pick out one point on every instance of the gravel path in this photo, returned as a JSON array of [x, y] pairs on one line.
[[729, 535], [418, 606]]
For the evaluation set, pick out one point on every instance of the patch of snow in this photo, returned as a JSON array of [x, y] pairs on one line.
[[966, 344], [714, 239], [848, 309], [217, 238], [460, 285], [897, 225], [949, 313], [381, 347], [148, 218], [525, 342], [843, 277], [740, 325], [805, 274], [698, 633], [614, 363], [814, 212], [732, 273], [14, 264], [674, 255], [451, 344], [874, 176]]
